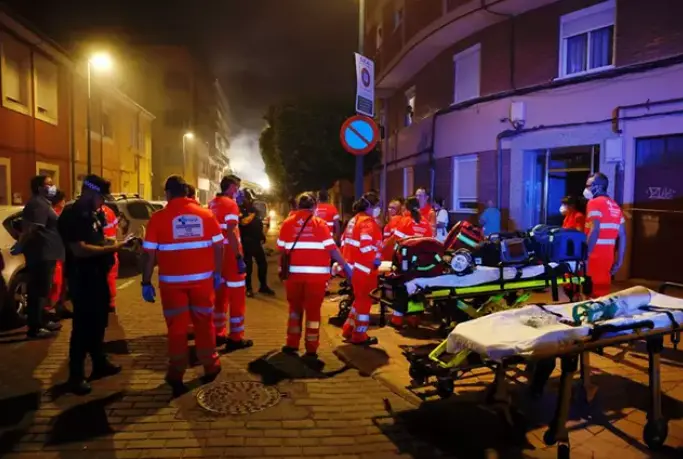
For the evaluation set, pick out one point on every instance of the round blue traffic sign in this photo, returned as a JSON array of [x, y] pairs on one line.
[[359, 135]]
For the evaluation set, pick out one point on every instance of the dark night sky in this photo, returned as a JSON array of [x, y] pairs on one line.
[[263, 51]]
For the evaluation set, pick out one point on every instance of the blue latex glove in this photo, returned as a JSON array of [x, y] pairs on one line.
[[348, 271], [378, 262], [148, 293], [241, 266], [15, 249], [217, 280]]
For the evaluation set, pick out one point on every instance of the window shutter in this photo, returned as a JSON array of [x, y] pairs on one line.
[[467, 69], [599, 16], [467, 178]]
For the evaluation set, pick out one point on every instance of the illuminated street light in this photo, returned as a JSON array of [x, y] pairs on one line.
[[101, 62], [188, 135], [265, 184]]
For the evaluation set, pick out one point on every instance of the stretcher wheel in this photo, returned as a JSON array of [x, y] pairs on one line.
[[563, 451], [445, 387], [344, 309], [655, 433], [549, 438]]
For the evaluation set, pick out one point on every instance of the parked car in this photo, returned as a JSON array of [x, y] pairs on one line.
[[13, 281]]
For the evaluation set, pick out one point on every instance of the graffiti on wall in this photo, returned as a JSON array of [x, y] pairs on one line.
[[660, 193]]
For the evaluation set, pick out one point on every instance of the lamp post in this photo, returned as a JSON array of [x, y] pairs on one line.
[[360, 185], [188, 136], [98, 61]]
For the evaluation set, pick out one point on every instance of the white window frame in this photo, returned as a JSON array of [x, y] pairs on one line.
[[408, 176], [457, 200], [575, 16], [43, 114], [457, 59], [54, 168], [410, 97], [6, 42], [379, 37]]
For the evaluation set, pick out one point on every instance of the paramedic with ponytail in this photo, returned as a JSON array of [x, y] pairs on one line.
[[306, 245], [606, 234], [365, 246], [413, 225]]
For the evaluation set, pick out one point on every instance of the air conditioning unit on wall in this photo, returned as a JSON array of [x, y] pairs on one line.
[[517, 114]]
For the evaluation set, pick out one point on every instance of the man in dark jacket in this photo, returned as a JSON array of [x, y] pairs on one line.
[[251, 233]]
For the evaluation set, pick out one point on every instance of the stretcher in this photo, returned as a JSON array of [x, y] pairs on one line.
[[537, 333], [454, 298]]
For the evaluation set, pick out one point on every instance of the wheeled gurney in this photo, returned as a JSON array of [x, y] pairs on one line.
[[458, 298], [569, 332]]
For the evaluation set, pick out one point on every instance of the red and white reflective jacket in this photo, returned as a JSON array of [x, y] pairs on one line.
[[327, 212], [183, 234], [310, 256], [368, 235], [112, 225], [609, 214], [227, 212], [407, 227], [347, 242]]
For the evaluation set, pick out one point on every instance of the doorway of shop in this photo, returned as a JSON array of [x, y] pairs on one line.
[[556, 173]]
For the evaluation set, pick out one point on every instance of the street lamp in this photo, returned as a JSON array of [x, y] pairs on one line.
[[188, 136], [101, 62]]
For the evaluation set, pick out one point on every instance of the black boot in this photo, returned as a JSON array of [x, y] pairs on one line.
[[104, 370], [78, 386], [231, 345]]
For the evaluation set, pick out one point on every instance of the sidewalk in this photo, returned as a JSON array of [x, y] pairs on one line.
[[614, 426]]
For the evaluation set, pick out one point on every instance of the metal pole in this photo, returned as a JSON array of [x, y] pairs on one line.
[[87, 115], [184, 156], [361, 38]]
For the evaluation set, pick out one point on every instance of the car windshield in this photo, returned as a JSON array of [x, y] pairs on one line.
[[138, 210]]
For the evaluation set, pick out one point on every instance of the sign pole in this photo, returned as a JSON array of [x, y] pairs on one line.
[[361, 39]]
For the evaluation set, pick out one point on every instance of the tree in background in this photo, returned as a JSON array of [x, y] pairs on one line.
[[301, 148]]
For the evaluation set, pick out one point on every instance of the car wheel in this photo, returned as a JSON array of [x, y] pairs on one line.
[[18, 297]]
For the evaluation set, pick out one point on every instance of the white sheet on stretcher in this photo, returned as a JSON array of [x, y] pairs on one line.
[[481, 275], [508, 333]]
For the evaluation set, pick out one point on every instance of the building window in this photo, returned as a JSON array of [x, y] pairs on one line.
[[49, 170], [107, 128], [378, 37], [15, 74], [587, 40], [398, 18], [467, 69], [408, 181], [46, 74], [410, 106], [177, 81], [465, 172]]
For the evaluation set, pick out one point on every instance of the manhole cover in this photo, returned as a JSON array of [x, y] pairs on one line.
[[237, 397]]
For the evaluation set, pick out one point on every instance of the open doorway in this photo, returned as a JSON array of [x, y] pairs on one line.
[[560, 172]]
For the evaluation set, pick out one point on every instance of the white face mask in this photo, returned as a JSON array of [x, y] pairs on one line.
[[587, 193], [563, 209], [376, 211], [52, 190]]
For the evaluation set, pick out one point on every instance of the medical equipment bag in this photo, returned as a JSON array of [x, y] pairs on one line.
[[464, 235], [418, 257], [558, 245]]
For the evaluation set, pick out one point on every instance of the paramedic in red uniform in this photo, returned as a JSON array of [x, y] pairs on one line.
[[606, 234], [110, 230], [426, 209], [365, 246], [231, 298], [413, 225], [573, 219], [305, 240], [187, 243], [328, 212]]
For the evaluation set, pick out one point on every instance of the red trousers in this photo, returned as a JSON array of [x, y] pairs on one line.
[[231, 302], [599, 270], [356, 326], [305, 298], [185, 305], [57, 285], [111, 280]]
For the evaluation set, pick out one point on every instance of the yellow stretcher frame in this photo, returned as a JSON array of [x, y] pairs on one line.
[[485, 309]]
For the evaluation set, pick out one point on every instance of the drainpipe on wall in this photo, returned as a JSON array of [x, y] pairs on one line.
[[72, 136]]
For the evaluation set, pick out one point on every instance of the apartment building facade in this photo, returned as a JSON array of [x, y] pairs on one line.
[[43, 121], [174, 84], [517, 101]]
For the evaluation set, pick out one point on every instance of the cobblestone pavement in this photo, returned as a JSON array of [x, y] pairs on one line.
[[333, 410]]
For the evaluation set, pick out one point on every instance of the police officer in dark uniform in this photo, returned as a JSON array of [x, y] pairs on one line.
[[89, 257], [251, 233]]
